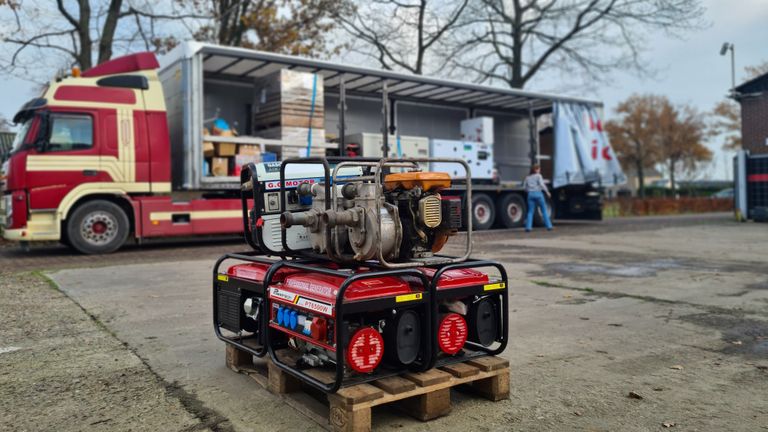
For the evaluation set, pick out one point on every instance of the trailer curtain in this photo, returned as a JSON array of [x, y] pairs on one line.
[[582, 151]]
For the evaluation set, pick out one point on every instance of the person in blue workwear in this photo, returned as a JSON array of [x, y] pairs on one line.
[[535, 188]]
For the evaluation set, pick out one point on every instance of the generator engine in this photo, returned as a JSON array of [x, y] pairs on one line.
[[416, 220], [302, 308]]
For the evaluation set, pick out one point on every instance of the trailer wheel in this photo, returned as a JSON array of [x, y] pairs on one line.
[[483, 212], [97, 227], [538, 219], [512, 210]]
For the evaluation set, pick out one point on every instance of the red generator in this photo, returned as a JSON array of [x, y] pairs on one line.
[[470, 310]]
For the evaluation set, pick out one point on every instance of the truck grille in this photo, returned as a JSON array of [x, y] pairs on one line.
[[5, 210]]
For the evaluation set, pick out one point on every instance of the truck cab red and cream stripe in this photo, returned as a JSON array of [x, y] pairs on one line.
[[92, 164]]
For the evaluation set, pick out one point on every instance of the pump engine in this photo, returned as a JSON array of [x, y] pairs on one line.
[[406, 215]]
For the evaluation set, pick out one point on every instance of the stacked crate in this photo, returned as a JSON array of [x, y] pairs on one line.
[[283, 110]]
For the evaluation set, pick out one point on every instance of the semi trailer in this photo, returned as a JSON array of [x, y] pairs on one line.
[[118, 151]]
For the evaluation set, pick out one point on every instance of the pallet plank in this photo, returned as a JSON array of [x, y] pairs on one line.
[[357, 394], [280, 382], [394, 385], [428, 378], [238, 359], [424, 395], [461, 370], [345, 419], [489, 364], [494, 388], [428, 406]]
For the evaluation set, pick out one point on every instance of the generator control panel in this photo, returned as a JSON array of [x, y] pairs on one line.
[[264, 216]]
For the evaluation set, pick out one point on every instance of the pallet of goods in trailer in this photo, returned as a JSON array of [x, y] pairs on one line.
[[277, 116]]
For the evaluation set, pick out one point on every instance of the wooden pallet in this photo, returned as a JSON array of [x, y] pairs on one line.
[[424, 395]]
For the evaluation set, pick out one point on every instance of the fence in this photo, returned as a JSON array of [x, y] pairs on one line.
[[664, 206]]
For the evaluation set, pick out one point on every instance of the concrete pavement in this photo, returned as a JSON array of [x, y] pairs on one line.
[[678, 314]]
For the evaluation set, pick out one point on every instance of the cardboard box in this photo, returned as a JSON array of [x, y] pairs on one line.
[[251, 150], [220, 166], [208, 149], [226, 149]]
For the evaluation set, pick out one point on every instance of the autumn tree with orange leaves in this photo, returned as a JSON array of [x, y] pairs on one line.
[[650, 130], [297, 27], [681, 135]]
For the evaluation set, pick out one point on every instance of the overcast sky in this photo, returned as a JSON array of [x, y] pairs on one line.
[[689, 70]]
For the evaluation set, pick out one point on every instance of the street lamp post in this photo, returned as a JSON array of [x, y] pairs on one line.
[[727, 46]]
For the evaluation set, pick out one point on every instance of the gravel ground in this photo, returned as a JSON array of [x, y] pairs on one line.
[[61, 370]]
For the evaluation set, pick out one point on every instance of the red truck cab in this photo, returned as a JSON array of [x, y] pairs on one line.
[[91, 164]]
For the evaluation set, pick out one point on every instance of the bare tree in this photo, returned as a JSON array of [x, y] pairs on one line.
[[86, 32], [756, 70], [511, 41], [400, 34]]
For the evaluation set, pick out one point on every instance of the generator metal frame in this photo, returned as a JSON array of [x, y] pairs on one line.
[[463, 292], [249, 170], [343, 308], [254, 257]]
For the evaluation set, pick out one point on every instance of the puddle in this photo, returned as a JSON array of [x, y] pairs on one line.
[[629, 270], [742, 335]]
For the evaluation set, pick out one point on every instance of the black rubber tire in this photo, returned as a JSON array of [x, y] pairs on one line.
[[483, 212], [110, 215], [512, 210], [538, 219]]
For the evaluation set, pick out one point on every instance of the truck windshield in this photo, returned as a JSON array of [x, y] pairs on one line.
[[18, 141]]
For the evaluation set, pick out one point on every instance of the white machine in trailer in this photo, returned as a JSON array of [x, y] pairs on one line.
[[503, 131]]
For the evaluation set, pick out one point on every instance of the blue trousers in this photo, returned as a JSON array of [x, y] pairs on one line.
[[537, 199]]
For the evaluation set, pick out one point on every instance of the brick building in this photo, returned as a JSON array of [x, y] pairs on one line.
[[753, 97]]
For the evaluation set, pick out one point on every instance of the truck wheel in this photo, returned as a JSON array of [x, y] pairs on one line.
[[483, 212], [538, 219], [512, 210], [97, 227]]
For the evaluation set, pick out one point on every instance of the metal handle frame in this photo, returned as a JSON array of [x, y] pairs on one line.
[[248, 184], [349, 279], [503, 295], [468, 251], [255, 257], [379, 164]]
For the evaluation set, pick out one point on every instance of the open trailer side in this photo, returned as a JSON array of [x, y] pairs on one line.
[[205, 81]]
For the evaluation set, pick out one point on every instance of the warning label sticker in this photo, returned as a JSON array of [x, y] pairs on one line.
[[408, 297], [302, 302], [494, 286]]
